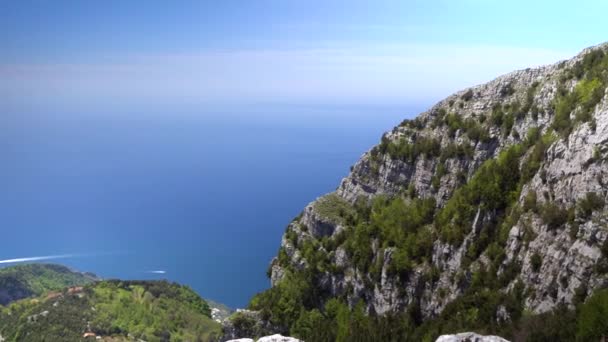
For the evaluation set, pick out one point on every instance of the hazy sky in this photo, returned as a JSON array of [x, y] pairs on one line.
[[84, 53]]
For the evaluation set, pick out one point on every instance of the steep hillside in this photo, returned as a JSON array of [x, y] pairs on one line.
[[111, 311], [486, 212], [22, 281]]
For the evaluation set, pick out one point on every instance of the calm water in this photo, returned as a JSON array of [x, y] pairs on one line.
[[202, 196]]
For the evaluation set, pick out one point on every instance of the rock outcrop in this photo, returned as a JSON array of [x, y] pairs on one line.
[[271, 338], [547, 235], [469, 337]]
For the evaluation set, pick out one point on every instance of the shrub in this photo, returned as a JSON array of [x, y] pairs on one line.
[[553, 215], [411, 191], [585, 96], [536, 262], [494, 186], [507, 124], [590, 203], [454, 122], [452, 150], [529, 97], [562, 124], [467, 96], [400, 264], [475, 131], [592, 324], [409, 152], [530, 201], [496, 118], [334, 208], [537, 156], [507, 90], [440, 171]]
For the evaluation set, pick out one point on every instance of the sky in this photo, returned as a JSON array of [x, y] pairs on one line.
[[78, 54]]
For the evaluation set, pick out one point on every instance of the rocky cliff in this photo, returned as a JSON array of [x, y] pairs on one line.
[[498, 188]]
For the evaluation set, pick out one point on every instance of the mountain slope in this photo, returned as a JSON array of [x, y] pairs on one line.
[[113, 311], [22, 281], [485, 212]]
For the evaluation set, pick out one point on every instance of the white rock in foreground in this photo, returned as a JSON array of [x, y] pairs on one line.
[[271, 338], [469, 337], [278, 338]]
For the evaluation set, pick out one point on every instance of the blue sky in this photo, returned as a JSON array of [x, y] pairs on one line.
[[207, 53]]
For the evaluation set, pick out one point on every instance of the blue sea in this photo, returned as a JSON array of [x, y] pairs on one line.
[[201, 195]]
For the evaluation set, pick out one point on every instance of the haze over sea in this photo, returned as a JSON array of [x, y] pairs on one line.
[[205, 198]]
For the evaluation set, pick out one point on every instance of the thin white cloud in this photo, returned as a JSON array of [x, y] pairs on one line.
[[369, 73], [156, 272], [36, 258]]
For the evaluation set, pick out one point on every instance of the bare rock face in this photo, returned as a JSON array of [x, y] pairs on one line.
[[469, 337], [547, 240]]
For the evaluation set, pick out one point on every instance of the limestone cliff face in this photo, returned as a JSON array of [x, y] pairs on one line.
[[554, 259]]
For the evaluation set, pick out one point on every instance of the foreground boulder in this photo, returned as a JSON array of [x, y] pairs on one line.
[[469, 337], [271, 338]]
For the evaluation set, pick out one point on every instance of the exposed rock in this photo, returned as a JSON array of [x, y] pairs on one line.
[[469, 337], [277, 338], [271, 338]]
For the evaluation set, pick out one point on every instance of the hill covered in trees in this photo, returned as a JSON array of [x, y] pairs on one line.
[[111, 310], [22, 281]]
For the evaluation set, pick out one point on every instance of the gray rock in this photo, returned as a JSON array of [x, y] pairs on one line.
[[277, 338], [469, 337]]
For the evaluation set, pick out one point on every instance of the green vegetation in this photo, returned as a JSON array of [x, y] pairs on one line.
[[529, 103], [440, 171], [494, 187], [590, 203], [401, 225], [148, 310], [507, 90], [497, 116], [537, 156], [452, 150], [592, 324], [334, 208], [475, 310], [536, 261], [530, 202], [409, 152], [416, 124], [591, 72], [21, 281], [475, 132], [554, 215], [467, 96]]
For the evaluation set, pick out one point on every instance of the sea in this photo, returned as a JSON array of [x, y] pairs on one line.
[[197, 196]]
